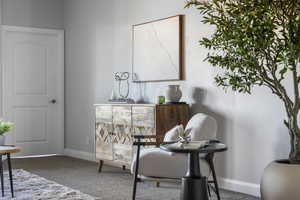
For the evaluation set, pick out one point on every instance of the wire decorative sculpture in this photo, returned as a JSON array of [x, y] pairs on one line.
[[121, 77]]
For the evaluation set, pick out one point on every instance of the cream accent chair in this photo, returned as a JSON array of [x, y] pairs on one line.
[[158, 165]]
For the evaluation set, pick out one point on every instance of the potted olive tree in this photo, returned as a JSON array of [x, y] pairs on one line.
[[4, 127], [257, 43]]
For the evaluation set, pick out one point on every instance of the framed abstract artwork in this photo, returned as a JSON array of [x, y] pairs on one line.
[[158, 50]]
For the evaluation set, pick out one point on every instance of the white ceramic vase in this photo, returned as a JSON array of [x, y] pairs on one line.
[[2, 140], [173, 93]]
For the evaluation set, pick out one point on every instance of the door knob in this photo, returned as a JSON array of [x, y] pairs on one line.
[[53, 101]]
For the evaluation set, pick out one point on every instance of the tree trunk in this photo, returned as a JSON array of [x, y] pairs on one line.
[[294, 131]]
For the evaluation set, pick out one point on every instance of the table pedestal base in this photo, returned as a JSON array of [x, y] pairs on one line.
[[194, 185], [194, 189]]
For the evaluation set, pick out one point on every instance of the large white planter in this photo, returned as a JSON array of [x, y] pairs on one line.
[[2, 140], [281, 181], [173, 93]]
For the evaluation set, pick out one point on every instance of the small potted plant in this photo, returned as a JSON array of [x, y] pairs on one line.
[[257, 43], [4, 127]]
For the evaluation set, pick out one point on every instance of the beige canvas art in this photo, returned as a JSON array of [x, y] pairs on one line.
[[157, 50]]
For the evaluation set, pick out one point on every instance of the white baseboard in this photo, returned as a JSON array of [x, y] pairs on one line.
[[239, 186], [224, 183], [80, 154]]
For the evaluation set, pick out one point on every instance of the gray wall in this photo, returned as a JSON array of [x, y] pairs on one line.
[[99, 42], [89, 65], [34, 13], [252, 126]]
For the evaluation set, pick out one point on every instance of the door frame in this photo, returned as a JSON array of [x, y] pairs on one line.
[[61, 84]]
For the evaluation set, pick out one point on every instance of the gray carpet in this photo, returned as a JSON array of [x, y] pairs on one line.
[[111, 184], [29, 186]]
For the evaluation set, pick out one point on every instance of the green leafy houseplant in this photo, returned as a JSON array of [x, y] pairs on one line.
[[257, 43], [5, 127]]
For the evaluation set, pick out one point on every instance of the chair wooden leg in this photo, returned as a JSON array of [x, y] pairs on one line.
[[1, 174], [10, 175], [100, 166], [212, 167]]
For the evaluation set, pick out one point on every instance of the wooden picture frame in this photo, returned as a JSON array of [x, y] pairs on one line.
[[158, 50]]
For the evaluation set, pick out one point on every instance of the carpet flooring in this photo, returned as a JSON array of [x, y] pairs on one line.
[[111, 184], [29, 186]]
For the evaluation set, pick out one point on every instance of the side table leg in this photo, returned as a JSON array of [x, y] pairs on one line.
[[10, 175], [1, 174], [194, 185]]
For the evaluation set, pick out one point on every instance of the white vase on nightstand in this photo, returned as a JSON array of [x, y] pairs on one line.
[[173, 93]]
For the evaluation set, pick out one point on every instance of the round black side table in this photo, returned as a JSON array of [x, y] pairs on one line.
[[194, 185]]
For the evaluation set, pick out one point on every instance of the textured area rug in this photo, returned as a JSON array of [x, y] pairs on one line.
[[28, 186]]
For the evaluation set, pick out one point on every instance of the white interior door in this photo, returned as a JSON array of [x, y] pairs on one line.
[[33, 87]]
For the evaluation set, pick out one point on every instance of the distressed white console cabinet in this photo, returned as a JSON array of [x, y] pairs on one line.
[[116, 123]]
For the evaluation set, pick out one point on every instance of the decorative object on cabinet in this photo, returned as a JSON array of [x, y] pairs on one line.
[[158, 50], [173, 93], [161, 99], [121, 77], [113, 95], [116, 124]]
